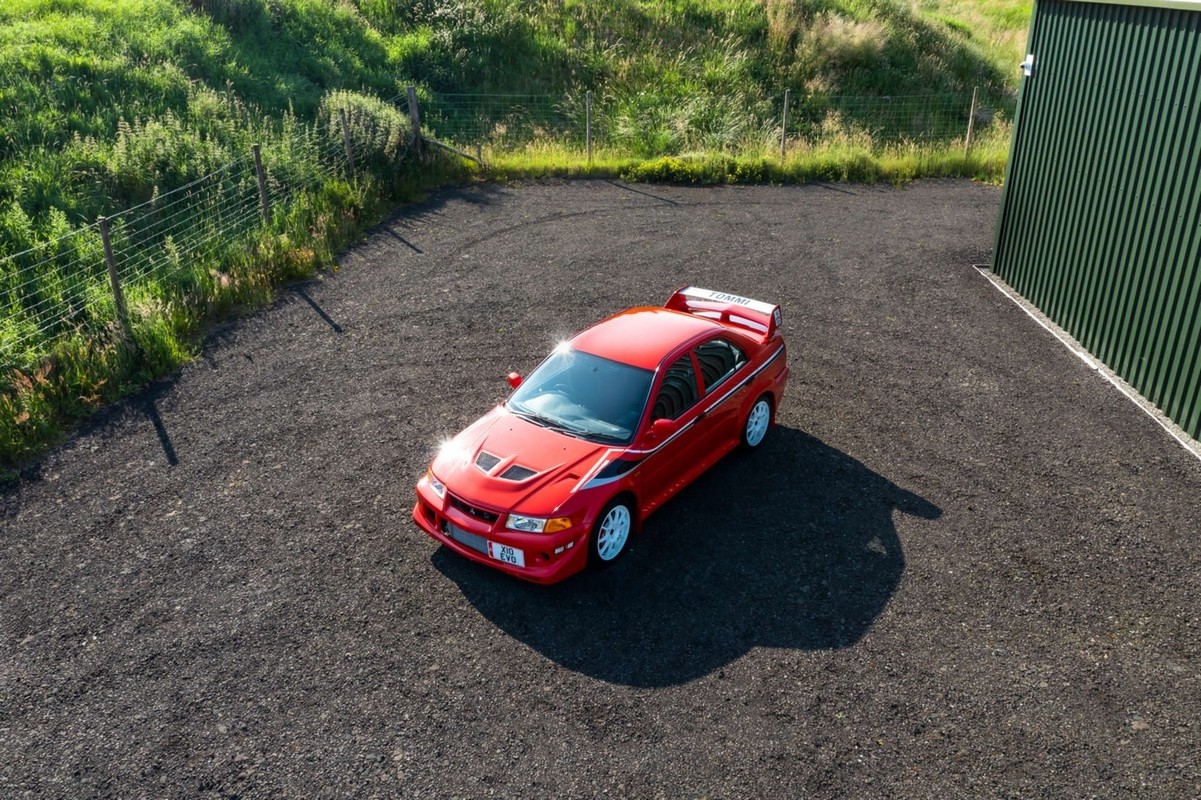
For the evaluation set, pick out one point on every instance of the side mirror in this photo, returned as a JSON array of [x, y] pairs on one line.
[[514, 379], [664, 428]]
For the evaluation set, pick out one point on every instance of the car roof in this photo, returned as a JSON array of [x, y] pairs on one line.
[[643, 337]]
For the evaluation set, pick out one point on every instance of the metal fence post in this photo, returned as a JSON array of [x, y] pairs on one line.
[[784, 124], [346, 141], [259, 173], [122, 314], [588, 124], [414, 120], [971, 123]]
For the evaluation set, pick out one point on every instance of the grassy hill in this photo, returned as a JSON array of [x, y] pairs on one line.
[[210, 76], [111, 104]]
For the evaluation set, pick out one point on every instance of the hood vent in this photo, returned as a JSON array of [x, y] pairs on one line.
[[486, 461], [516, 473]]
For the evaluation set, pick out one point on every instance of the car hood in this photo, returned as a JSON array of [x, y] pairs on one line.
[[557, 461]]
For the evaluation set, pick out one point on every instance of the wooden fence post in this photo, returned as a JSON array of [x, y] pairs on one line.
[[346, 141], [971, 123], [264, 200], [784, 124], [122, 313], [588, 124], [414, 120]]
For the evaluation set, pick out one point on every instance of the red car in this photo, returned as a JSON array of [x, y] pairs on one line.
[[603, 432]]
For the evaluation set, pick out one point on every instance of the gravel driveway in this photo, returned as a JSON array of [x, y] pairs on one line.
[[962, 565]]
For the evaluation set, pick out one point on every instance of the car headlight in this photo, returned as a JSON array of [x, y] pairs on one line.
[[438, 486], [516, 522]]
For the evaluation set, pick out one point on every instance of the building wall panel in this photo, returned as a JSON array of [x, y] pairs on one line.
[[1101, 220]]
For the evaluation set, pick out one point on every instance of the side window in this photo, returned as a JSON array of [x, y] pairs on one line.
[[677, 392], [718, 360]]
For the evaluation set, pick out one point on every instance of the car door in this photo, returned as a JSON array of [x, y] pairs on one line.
[[720, 362], [668, 464]]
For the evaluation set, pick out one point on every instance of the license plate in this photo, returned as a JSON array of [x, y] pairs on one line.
[[509, 555]]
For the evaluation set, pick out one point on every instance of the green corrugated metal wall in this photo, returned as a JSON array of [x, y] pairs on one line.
[[1101, 218]]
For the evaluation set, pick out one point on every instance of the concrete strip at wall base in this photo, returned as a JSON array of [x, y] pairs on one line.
[[1181, 436]]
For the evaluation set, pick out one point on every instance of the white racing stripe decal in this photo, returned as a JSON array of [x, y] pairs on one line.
[[608, 459]]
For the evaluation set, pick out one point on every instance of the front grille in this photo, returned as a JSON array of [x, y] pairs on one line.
[[472, 511], [478, 543], [516, 473]]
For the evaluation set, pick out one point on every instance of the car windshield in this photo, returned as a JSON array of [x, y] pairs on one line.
[[584, 395]]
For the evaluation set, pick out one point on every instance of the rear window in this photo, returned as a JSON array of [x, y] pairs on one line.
[[718, 359]]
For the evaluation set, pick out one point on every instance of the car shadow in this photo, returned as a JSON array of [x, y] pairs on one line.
[[792, 546]]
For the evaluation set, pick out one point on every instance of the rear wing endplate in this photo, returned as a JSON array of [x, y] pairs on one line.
[[753, 315]]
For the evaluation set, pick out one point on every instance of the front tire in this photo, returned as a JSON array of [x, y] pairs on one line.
[[611, 534], [757, 423]]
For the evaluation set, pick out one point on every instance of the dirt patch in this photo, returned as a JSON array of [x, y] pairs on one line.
[[962, 565]]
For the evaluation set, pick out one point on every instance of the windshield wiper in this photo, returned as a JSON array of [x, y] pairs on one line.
[[611, 438], [547, 423], [529, 417]]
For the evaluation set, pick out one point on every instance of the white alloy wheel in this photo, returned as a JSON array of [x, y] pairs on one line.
[[757, 422], [612, 533]]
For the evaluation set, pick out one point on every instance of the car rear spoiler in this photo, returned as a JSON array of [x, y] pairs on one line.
[[753, 315]]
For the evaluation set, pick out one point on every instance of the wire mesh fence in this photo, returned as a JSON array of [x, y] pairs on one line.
[[68, 285], [885, 120], [73, 284], [156, 240], [49, 286], [504, 121], [653, 126]]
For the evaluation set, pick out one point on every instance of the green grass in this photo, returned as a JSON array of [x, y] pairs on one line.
[[829, 161], [110, 104]]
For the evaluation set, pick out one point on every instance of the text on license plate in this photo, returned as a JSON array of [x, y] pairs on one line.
[[509, 555]]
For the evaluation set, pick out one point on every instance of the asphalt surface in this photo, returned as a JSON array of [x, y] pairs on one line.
[[961, 566]]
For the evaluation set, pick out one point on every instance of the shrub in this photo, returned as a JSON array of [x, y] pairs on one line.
[[379, 131]]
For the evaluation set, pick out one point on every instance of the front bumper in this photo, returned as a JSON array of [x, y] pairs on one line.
[[435, 516]]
